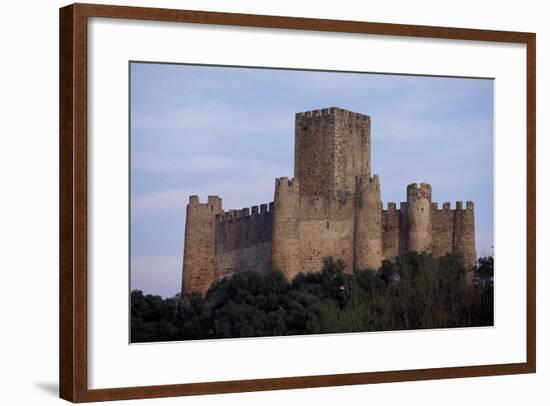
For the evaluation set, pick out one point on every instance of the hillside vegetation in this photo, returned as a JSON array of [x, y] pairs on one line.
[[415, 291]]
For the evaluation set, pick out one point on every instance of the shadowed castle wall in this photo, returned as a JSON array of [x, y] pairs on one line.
[[394, 231], [442, 229], [243, 241], [454, 231]]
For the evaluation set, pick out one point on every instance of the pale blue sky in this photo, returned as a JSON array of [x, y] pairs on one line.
[[230, 132]]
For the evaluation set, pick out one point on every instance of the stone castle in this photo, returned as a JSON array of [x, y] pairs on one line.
[[331, 207]]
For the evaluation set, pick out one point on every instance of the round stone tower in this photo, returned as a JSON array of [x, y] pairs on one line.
[[285, 243], [464, 245], [419, 214], [198, 260], [367, 252]]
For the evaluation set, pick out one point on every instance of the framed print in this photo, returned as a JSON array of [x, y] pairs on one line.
[[267, 200]]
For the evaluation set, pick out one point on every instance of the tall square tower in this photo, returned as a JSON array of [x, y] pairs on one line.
[[332, 147]]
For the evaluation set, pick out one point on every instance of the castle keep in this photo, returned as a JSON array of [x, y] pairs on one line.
[[331, 207]]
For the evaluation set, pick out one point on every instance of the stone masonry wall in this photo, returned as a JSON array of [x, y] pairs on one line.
[[464, 240], [352, 149], [332, 147], [314, 143], [391, 232], [243, 240], [198, 262], [286, 244], [452, 231], [419, 215], [325, 230], [442, 229], [367, 247]]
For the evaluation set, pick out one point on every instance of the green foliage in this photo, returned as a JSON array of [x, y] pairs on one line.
[[153, 318], [414, 291]]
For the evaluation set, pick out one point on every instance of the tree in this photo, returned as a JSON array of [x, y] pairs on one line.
[[413, 291]]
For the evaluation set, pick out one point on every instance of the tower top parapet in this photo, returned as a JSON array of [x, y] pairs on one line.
[[416, 191], [367, 183], [331, 111]]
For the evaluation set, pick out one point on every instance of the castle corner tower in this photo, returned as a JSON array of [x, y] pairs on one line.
[[198, 261]]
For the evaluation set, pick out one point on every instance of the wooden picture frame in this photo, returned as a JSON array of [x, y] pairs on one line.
[[73, 280]]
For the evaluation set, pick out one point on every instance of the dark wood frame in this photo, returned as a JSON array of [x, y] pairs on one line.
[[73, 201]]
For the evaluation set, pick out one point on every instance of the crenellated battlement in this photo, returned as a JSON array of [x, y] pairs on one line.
[[284, 181], [363, 183], [263, 209], [391, 207], [416, 191], [316, 113], [446, 207], [331, 111], [212, 201], [289, 184]]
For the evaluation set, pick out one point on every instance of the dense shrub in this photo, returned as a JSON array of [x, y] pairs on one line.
[[414, 291]]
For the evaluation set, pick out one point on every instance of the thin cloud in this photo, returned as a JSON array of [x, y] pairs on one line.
[[160, 201], [156, 274], [213, 119], [234, 194], [166, 162]]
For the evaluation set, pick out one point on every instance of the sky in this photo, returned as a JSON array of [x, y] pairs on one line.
[[227, 131]]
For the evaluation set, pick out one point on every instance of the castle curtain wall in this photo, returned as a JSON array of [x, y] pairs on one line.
[[243, 241], [442, 229], [392, 243], [325, 230]]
